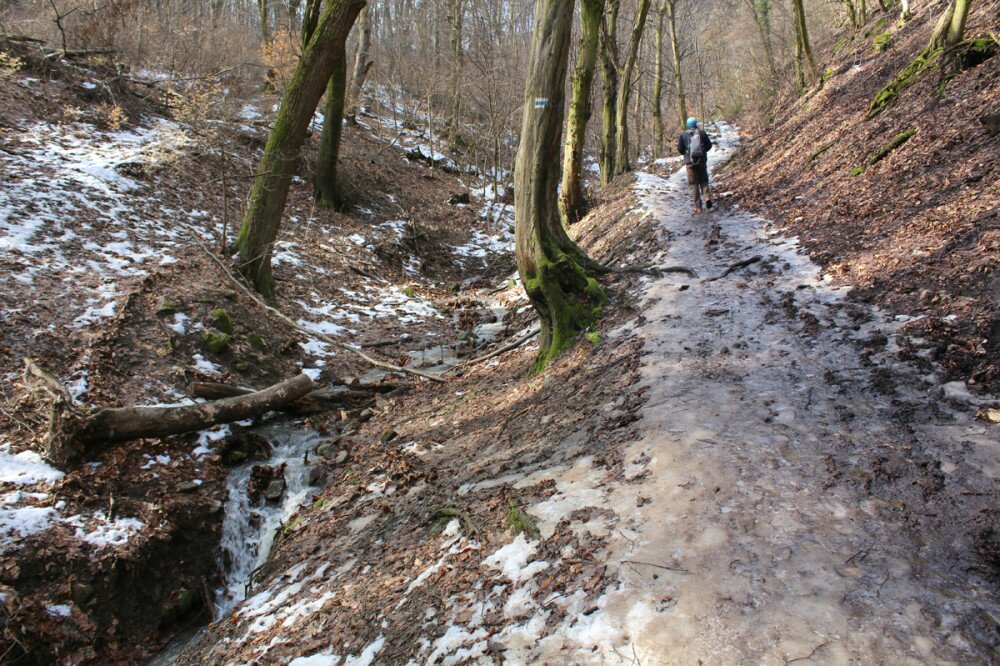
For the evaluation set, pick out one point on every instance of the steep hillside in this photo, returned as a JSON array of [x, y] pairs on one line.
[[918, 230]]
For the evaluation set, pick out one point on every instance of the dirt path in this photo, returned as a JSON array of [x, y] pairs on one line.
[[744, 536]]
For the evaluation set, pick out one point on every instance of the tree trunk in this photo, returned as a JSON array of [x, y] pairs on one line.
[[609, 70], [676, 51], [549, 263], [659, 142], [310, 18], [904, 12], [571, 202], [328, 190], [761, 10], [939, 37], [362, 62], [803, 48], [956, 29], [455, 20], [623, 162], [320, 59], [70, 430], [265, 22]]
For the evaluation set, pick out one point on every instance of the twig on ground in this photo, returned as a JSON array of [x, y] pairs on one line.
[[506, 348], [735, 267], [658, 566]]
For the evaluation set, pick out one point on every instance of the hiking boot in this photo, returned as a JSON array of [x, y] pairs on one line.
[[709, 205]]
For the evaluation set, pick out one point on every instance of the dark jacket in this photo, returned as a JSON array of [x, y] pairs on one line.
[[685, 139]]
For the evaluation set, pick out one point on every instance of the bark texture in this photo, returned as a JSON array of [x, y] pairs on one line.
[[329, 191], [572, 205], [550, 264], [321, 57], [675, 49], [609, 70]]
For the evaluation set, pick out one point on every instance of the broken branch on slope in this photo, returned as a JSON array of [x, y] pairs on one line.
[[305, 331], [70, 430]]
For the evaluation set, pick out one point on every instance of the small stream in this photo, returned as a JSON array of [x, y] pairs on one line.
[[249, 530]]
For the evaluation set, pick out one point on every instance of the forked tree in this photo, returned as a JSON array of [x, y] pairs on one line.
[[622, 159], [322, 55], [550, 264], [571, 202]]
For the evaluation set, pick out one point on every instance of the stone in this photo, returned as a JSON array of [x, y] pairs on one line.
[[341, 457], [314, 475], [388, 435], [187, 486], [327, 447], [275, 490], [989, 414], [460, 198], [81, 593]]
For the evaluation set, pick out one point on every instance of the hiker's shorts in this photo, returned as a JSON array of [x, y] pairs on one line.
[[697, 174]]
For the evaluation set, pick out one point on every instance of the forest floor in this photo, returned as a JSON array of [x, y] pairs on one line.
[[762, 467], [741, 468]]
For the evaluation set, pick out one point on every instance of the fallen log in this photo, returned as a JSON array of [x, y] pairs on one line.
[[71, 431]]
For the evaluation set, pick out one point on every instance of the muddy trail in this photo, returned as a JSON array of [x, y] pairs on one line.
[[798, 492]]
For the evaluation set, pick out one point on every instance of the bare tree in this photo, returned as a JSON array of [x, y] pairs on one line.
[[321, 57]]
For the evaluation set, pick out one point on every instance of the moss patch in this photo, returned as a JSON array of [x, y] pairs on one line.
[[884, 151], [216, 341], [520, 522], [895, 143], [257, 341], [822, 149], [926, 61], [222, 320], [882, 42]]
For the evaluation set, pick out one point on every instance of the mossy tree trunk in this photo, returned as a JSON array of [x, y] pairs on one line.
[[328, 188], [623, 162], [550, 264], [320, 58], [675, 47], [263, 11], [310, 17], [956, 29], [571, 202], [803, 47], [761, 10], [362, 62], [609, 71], [852, 15], [657, 101]]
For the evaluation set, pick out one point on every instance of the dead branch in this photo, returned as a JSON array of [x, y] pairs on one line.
[[735, 267], [70, 430], [305, 331], [506, 348]]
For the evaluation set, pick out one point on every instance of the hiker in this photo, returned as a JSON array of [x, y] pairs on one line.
[[694, 144]]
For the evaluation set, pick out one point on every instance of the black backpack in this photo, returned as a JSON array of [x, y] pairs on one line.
[[696, 147]]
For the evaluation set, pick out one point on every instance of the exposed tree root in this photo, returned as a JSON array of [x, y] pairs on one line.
[[735, 267]]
